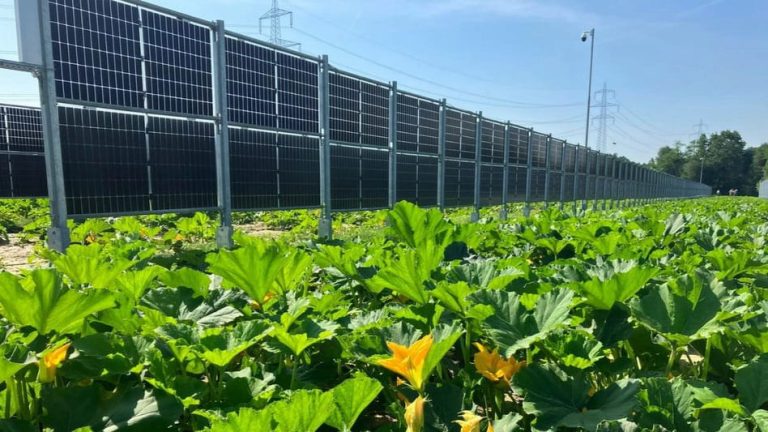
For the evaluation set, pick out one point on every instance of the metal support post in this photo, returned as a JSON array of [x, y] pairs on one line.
[[596, 182], [478, 155], [605, 182], [325, 225], [576, 179], [393, 145], [58, 233], [441, 157], [223, 183], [612, 202], [505, 176], [620, 186], [528, 175], [586, 180], [546, 170], [562, 175]]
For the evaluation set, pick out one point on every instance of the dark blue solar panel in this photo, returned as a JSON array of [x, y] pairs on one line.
[[251, 84], [178, 65], [493, 142], [297, 80], [298, 158], [344, 98], [518, 146], [96, 51], [105, 161], [491, 184], [28, 176], [25, 129], [182, 160], [345, 177], [374, 181], [253, 169]]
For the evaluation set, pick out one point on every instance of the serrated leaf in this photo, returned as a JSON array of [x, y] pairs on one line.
[[350, 398], [752, 383]]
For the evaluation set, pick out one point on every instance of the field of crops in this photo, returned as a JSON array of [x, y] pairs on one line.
[[646, 318]]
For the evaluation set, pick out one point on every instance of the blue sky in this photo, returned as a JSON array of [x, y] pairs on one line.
[[671, 63]]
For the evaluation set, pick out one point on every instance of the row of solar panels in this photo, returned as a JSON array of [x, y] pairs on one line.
[[136, 87], [117, 162]]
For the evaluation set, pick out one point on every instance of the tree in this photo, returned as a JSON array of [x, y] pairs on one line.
[[669, 160], [722, 155]]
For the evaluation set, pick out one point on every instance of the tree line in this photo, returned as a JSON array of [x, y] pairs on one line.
[[722, 160]]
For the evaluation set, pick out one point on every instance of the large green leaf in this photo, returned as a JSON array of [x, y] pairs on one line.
[[679, 317], [46, 305], [250, 268], [752, 383], [305, 410], [246, 419], [350, 398], [619, 286], [220, 346], [186, 277], [406, 275], [310, 332], [219, 308], [416, 226], [443, 339], [512, 327], [559, 400], [89, 265]]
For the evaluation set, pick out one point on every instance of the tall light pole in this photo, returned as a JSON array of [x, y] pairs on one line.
[[591, 35]]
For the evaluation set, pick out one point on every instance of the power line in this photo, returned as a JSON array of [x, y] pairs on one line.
[[506, 102], [700, 129]]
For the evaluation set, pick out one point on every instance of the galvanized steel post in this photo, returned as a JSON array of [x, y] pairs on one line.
[[478, 156], [441, 157], [393, 144], [325, 225], [504, 213], [528, 175], [562, 175], [546, 170], [576, 179], [223, 183], [58, 233]]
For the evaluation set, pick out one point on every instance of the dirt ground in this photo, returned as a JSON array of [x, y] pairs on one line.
[[14, 256], [259, 229]]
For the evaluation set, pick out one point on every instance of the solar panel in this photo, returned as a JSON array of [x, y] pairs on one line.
[[517, 179], [28, 176], [518, 146], [97, 52], [298, 160], [538, 180], [6, 189], [359, 111], [253, 169], [105, 161], [417, 179], [539, 150], [493, 142], [182, 159], [25, 130], [491, 184], [297, 81], [374, 179], [178, 65], [251, 83], [407, 123], [345, 177], [460, 137], [427, 178]]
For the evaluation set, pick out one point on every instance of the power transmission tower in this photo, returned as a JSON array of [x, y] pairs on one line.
[[604, 115], [700, 129], [274, 15]]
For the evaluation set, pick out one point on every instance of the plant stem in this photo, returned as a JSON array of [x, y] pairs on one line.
[[294, 367], [467, 346], [707, 351], [671, 360]]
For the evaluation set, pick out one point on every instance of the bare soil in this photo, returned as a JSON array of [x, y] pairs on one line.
[[259, 229], [15, 255]]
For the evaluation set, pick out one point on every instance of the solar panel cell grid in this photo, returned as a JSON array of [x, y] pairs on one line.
[[251, 84], [253, 169], [97, 52], [178, 65], [298, 159], [297, 81]]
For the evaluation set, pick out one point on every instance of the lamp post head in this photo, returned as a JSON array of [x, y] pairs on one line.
[[587, 34]]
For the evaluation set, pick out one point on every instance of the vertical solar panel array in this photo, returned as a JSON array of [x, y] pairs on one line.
[[136, 89], [22, 161], [518, 163], [492, 159]]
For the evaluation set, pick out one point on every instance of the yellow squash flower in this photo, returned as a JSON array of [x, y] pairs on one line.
[[414, 415], [470, 422], [50, 362], [408, 362], [490, 427], [495, 367]]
